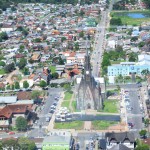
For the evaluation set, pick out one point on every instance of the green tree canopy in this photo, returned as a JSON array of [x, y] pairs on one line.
[[22, 63], [81, 34], [42, 84], [25, 84], [2, 63], [115, 21], [63, 39], [4, 36], [21, 123], [10, 144], [26, 71], [9, 68], [55, 75], [17, 86], [35, 94], [143, 133], [26, 144]]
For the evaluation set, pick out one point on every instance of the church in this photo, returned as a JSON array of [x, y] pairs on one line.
[[88, 91]]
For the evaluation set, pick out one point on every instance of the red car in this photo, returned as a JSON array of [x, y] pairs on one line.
[[11, 133]]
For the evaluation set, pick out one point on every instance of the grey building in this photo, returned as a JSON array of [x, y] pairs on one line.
[[88, 92]]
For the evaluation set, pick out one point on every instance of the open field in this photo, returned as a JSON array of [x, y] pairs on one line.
[[78, 125], [128, 20], [68, 95], [110, 106], [102, 125]]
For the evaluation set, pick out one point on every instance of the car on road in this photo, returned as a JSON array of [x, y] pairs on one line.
[[47, 119], [55, 104], [11, 133], [52, 111], [53, 107], [130, 124]]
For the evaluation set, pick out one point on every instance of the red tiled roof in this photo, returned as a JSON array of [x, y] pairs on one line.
[[8, 110], [19, 55]]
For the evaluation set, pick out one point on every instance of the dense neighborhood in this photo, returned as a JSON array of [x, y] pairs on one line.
[[74, 75]]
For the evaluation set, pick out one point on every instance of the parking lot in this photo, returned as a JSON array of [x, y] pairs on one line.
[[134, 108]]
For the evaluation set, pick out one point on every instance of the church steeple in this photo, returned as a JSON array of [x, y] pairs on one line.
[[87, 65]]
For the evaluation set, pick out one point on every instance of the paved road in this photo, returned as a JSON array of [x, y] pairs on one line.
[[36, 131], [100, 41]]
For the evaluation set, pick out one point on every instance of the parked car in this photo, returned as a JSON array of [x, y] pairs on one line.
[[11, 133]]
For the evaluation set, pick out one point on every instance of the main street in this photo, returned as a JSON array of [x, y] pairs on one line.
[[100, 41]]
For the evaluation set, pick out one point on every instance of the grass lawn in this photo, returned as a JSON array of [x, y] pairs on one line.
[[68, 96], [102, 125], [74, 103], [128, 20], [110, 106], [53, 69], [2, 71], [78, 125], [65, 104]]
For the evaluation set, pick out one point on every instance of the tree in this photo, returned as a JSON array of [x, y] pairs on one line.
[[26, 144], [26, 71], [146, 122], [61, 61], [17, 86], [141, 44], [10, 144], [67, 87], [2, 63], [35, 94], [147, 2], [25, 32], [116, 21], [22, 63], [37, 40], [55, 75], [63, 39], [25, 84], [9, 68], [42, 84], [145, 72], [141, 145], [81, 34], [4, 36], [133, 39], [143, 133], [132, 57], [76, 46], [21, 123]]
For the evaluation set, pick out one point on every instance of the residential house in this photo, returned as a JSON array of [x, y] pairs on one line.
[[118, 141], [36, 57], [42, 74], [9, 113]]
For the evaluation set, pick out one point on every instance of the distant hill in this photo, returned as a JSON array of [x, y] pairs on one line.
[[6, 3]]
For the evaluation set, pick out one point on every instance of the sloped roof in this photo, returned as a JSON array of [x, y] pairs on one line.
[[119, 147], [8, 110], [120, 137]]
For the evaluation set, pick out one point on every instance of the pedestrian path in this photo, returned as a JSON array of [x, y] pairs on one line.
[[87, 125]]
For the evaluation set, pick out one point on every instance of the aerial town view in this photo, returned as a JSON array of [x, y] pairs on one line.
[[74, 74]]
